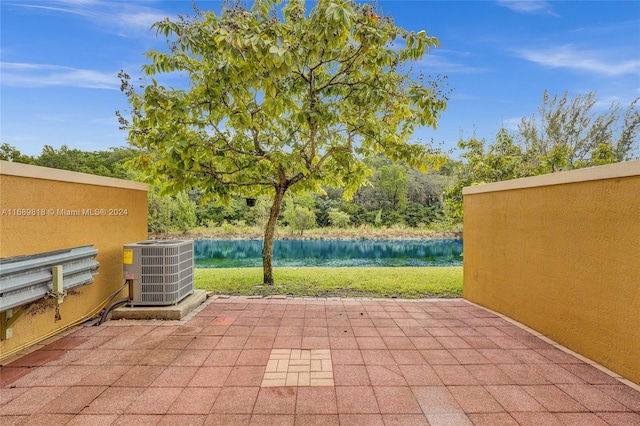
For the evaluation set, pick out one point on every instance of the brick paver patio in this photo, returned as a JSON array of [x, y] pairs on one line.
[[313, 362]]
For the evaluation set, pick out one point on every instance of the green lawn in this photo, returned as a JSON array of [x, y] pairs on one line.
[[408, 283]]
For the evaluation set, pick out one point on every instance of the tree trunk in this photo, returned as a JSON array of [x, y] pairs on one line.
[[267, 253]]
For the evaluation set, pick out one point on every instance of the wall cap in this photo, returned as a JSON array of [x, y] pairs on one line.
[[609, 171], [9, 168]]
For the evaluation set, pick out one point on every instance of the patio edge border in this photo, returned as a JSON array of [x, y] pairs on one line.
[[561, 347]]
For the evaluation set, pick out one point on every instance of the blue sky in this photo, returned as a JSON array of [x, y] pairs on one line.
[[60, 59]]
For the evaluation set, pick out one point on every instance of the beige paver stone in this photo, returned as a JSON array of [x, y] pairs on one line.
[[283, 365], [305, 362], [272, 366], [292, 379], [304, 379], [299, 367], [279, 356], [275, 376]]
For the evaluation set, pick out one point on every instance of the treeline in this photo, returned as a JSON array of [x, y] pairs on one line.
[[566, 134], [397, 195], [109, 163]]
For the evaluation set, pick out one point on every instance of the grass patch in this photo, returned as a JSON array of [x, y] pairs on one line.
[[403, 282]]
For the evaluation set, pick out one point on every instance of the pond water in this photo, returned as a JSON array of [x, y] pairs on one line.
[[333, 253]]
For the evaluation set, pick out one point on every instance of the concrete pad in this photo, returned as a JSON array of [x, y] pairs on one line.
[[172, 312]]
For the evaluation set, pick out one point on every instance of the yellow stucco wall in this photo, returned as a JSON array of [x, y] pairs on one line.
[[560, 253], [49, 192]]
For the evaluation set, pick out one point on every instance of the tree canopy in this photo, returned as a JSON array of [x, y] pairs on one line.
[[503, 160], [569, 135], [280, 98]]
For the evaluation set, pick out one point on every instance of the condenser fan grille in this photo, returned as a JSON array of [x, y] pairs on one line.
[[162, 271]]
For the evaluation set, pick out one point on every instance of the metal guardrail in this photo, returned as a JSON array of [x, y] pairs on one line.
[[25, 279]]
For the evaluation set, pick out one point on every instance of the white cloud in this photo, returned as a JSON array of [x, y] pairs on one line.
[[45, 75], [141, 19], [120, 17], [527, 6], [586, 60], [437, 63]]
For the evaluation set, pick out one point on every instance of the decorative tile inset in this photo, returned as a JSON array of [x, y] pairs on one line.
[[299, 367]]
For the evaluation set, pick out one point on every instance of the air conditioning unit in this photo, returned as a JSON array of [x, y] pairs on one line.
[[160, 271]]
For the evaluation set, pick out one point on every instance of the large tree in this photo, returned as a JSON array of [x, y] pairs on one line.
[[281, 98]]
